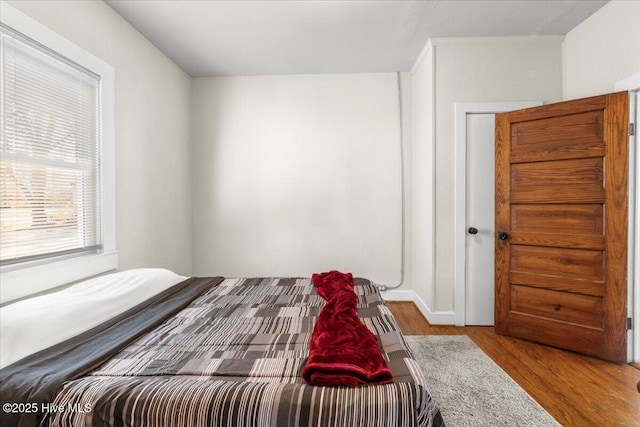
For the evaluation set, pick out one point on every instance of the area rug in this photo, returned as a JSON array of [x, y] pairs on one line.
[[470, 388]]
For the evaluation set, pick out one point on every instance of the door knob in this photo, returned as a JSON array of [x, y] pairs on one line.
[[473, 230], [503, 236]]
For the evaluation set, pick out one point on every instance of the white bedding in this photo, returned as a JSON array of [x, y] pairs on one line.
[[34, 324]]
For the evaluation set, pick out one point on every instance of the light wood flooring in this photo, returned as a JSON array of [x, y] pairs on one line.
[[576, 390]]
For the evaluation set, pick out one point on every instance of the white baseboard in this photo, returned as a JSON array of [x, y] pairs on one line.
[[433, 317], [393, 295]]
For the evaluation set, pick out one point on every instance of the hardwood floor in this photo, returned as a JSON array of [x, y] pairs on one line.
[[576, 390]]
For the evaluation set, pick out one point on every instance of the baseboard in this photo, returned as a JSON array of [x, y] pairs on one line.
[[433, 317], [393, 295]]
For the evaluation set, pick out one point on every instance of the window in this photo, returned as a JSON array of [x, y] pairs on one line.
[[56, 159], [49, 146]]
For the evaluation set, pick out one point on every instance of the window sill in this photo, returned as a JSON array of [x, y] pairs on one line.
[[27, 281]]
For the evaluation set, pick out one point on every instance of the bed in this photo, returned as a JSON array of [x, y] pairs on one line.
[[214, 352]]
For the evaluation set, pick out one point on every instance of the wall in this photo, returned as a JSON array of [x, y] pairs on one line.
[[152, 130], [466, 70], [603, 49], [422, 96], [297, 174], [407, 179]]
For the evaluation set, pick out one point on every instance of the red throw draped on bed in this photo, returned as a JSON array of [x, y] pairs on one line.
[[342, 350]]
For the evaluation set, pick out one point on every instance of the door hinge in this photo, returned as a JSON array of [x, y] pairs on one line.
[[632, 129], [629, 323]]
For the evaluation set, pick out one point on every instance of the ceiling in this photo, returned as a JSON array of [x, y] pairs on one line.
[[214, 38]]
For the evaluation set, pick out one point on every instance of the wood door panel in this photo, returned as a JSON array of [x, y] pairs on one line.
[[557, 240], [585, 219], [561, 225], [595, 103], [580, 180], [562, 198], [585, 310], [561, 262], [561, 334], [565, 137], [576, 286]]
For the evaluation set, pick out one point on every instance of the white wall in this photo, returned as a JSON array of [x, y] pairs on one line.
[[464, 70], [602, 50], [407, 178], [297, 174], [422, 96], [152, 132]]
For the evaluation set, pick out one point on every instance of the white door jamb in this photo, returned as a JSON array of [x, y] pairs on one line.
[[632, 84]]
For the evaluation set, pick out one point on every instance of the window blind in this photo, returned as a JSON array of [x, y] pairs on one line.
[[49, 154]]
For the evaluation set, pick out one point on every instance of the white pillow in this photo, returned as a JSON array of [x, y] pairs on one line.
[[34, 324]]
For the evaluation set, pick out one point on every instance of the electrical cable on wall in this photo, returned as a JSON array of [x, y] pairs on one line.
[[402, 220]]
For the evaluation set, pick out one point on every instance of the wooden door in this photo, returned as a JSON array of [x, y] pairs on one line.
[[561, 225]]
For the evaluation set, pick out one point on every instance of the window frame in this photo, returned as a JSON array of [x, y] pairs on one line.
[[21, 280]]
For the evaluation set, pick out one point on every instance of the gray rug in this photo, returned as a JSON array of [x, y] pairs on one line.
[[470, 388]]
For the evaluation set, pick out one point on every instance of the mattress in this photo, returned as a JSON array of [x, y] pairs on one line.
[[233, 356]]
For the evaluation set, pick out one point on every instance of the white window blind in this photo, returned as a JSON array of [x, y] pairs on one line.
[[49, 154]]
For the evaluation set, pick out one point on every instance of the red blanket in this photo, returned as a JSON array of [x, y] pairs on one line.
[[342, 350]]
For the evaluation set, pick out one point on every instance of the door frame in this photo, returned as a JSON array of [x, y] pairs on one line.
[[460, 191], [632, 84]]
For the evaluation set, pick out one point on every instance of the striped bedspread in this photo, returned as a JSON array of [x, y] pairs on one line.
[[233, 357]]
